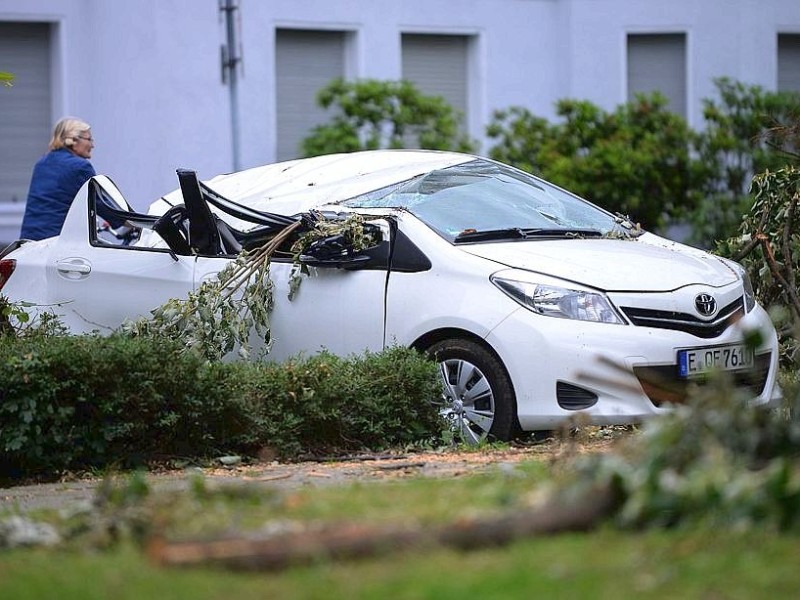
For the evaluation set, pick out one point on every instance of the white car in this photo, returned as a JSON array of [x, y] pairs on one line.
[[538, 305]]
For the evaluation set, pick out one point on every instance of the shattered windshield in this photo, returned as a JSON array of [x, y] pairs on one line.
[[466, 201]]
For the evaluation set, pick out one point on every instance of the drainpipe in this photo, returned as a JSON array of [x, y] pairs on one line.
[[231, 57]]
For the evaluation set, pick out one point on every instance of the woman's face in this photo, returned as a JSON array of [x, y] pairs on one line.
[[83, 144]]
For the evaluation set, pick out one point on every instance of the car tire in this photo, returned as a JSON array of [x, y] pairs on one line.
[[477, 395]]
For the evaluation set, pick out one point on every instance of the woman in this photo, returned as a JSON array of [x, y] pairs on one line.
[[57, 177]]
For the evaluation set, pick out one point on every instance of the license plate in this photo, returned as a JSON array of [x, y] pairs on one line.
[[725, 358]]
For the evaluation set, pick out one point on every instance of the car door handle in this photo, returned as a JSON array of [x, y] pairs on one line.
[[73, 268]]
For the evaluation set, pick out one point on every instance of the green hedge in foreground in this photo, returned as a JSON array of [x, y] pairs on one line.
[[75, 402]]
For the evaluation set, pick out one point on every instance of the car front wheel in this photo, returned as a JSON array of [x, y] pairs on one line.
[[477, 396]]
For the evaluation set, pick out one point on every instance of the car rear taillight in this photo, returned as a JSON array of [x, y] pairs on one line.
[[6, 269]]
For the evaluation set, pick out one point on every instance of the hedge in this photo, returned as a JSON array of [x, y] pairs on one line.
[[81, 402]]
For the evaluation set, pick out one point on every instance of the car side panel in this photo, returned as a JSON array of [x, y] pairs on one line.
[[98, 287], [334, 309]]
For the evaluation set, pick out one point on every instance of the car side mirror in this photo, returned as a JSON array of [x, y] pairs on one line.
[[336, 252]]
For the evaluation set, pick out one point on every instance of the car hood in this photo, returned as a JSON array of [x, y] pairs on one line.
[[648, 263]]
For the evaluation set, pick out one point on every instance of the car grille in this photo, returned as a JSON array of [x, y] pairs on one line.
[[663, 385], [664, 319]]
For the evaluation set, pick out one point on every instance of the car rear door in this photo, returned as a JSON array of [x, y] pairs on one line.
[[96, 285]]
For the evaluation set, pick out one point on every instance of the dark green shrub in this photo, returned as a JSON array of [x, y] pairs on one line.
[[635, 160], [371, 114], [72, 402], [328, 403], [748, 130]]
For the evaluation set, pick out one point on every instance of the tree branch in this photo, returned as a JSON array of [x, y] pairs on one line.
[[350, 541]]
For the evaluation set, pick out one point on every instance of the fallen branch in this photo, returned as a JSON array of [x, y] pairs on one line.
[[351, 541]]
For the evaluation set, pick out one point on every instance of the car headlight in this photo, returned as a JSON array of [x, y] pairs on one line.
[[749, 294], [556, 301], [747, 286]]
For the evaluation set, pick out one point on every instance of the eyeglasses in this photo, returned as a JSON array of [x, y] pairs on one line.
[[87, 139]]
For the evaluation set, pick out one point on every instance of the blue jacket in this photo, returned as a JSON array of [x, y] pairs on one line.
[[57, 177]]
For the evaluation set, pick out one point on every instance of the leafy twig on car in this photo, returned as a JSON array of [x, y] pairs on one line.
[[221, 315]]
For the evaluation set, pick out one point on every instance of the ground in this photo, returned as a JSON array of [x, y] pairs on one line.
[[73, 490]]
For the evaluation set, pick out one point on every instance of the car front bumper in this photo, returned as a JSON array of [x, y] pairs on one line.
[[612, 374]]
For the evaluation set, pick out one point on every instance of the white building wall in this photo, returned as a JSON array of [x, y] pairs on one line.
[[146, 73], [733, 38]]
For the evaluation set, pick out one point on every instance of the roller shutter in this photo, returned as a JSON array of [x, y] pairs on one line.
[[789, 62], [25, 126], [305, 62], [439, 66], [658, 62]]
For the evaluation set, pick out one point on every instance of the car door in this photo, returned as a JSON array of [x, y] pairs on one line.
[[338, 309], [96, 285]]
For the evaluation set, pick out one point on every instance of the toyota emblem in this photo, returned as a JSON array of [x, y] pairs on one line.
[[705, 304]]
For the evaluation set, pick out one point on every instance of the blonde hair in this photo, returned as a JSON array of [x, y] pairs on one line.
[[66, 131]]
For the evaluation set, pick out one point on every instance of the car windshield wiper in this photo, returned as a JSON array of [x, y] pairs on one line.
[[472, 235]]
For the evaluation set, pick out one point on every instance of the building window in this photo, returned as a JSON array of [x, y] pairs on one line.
[[657, 62], [789, 62], [438, 65], [306, 61], [26, 107]]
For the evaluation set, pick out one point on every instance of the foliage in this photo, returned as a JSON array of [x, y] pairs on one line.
[[12, 317], [350, 233], [718, 462], [217, 318], [372, 114], [644, 161], [70, 402], [768, 245], [79, 401], [15, 320], [7, 79], [745, 133], [223, 313], [374, 401], [634, 160]]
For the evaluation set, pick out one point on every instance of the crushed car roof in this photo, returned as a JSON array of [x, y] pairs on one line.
[[295, 186]]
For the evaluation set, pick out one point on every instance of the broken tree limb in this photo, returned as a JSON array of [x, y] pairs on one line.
[[352, 541], [289, 549]]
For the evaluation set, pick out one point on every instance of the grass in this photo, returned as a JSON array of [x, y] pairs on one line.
[[601, 564], [605, 564]]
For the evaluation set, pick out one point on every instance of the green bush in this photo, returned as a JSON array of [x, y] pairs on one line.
[[768, 246], [374, 401], [372, 114], [634, 160], [76, 402], [644, 161], [745, 133]]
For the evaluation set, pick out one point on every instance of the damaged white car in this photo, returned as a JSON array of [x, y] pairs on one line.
[[537, 304]]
